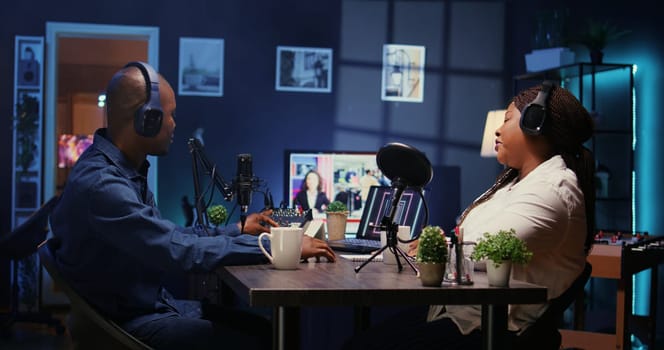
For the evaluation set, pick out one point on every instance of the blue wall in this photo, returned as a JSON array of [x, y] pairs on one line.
[[473, 50]]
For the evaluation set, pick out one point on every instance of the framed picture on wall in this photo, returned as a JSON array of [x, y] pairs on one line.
[[403, 73], [28, 131], [305, 69], [201, 71], [30, 53]]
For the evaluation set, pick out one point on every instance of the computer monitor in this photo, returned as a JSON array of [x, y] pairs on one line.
[[411, 211], [340, 173]]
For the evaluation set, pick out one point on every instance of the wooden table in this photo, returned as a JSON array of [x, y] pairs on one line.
[[337, 284]]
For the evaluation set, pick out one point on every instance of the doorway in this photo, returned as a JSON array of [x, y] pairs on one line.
[[81, 58]]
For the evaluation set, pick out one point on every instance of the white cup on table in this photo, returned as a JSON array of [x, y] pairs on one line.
[[286, 246]]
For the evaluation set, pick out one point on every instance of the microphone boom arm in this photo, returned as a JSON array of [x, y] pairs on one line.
[[200, 159]]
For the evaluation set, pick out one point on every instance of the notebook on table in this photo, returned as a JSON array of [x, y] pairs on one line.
[[410, 212]]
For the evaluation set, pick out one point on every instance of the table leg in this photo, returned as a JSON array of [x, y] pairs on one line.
[[623, 308], [286, 328], [494, 326], [362, 318]]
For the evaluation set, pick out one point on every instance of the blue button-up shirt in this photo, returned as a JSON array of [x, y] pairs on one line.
[[116, 248]]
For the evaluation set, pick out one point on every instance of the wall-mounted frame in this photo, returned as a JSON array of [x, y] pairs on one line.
[[403, 73], [201, 71], [29, 54], [303, 69]]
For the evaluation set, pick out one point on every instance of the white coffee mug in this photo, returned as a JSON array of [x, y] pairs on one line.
[[286, 246], [388, 257]]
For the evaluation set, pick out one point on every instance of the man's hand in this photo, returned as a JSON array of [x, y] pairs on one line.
[[258, 223], [312, 247]]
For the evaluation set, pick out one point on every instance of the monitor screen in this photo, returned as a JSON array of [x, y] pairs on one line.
[[343, 175], [70, 147], [410, 211]]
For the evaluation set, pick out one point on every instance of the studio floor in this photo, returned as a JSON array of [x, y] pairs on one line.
[[34, 336]]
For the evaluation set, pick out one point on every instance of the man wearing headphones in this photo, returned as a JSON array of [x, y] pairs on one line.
[[115, 248], [547, 195]]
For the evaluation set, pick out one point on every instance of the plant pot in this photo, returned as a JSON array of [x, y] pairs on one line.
[[498, 276], [336, 226], [431, 274], [596, 56]]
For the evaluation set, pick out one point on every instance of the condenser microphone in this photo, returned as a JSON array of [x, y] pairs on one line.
[[243, 184]]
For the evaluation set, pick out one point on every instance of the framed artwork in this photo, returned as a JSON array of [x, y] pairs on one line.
[[27, 130], [29, 60], [304, 69], [201, 71], [403, 73]]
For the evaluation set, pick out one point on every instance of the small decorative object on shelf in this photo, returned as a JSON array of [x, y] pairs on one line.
[[337, 215], [431, 256], [548, 44], [502, 249], [597, 35]]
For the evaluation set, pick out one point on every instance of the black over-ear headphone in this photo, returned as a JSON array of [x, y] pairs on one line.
[[148, 118], [534, 115]]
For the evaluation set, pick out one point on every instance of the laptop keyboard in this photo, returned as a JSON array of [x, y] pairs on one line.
[[355, 245]]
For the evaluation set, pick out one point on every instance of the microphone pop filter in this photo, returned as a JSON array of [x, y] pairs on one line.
[[400, 161]]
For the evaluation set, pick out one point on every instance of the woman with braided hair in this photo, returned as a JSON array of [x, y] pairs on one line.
[[546, 194]]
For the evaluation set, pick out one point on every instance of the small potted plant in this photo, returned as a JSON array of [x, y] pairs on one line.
[[337, 215], [431, 256], [502, 249], [596, 36]]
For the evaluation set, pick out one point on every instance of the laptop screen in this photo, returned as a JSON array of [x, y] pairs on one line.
[[410, 211]]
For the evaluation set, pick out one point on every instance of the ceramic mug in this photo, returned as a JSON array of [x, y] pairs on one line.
[[286, 246]]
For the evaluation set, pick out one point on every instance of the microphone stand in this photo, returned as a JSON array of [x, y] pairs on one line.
[[391, 229], [200, 159]]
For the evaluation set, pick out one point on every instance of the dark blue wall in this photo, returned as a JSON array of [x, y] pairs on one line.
[[468, 73]]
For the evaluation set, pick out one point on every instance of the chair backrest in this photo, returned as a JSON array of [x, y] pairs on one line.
[[562, 302], [23, 240], [544, 334], [100, 332]]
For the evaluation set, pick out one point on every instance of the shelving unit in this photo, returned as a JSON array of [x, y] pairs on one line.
[[28, 82], [27, 161], [621, 262], [607, 92]]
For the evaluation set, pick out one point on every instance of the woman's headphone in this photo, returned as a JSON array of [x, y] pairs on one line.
[[534, 115]]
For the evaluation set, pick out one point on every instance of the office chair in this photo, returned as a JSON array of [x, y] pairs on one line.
[[87, 327], [544, 334], [19, 244]]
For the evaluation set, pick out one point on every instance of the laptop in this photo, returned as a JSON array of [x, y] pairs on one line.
[[411, 211]]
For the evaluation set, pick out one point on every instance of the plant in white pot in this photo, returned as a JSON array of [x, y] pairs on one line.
[[502, 249], [337, 216], [431, 256]]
